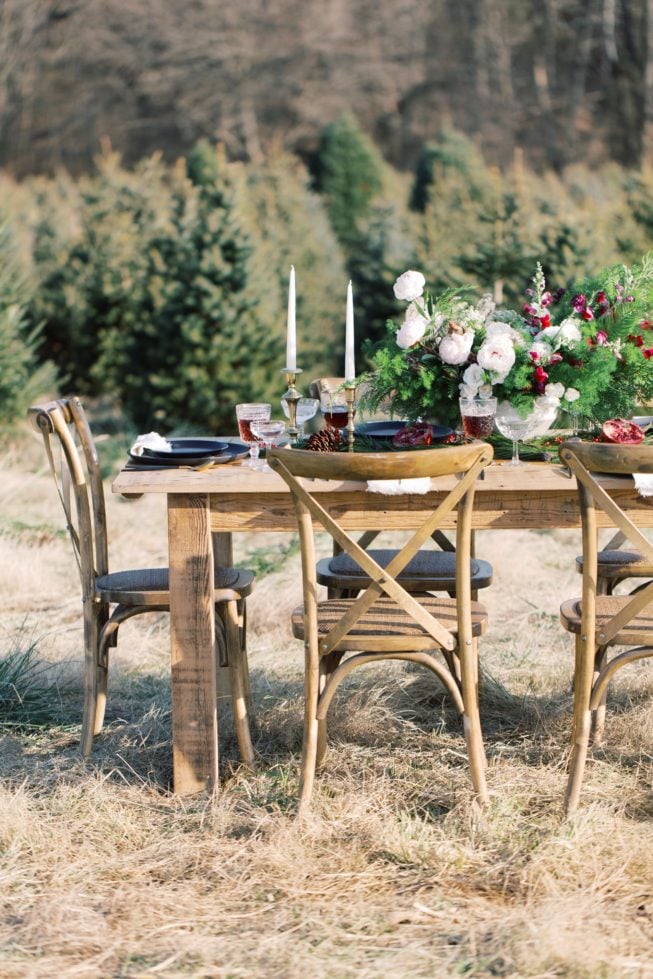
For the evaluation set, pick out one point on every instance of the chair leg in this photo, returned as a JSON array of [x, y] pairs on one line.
[[238, 675], [327, 666], [472, 718], [598, 715], [92, 618], [581, 724], [102, 681], [310, 740]]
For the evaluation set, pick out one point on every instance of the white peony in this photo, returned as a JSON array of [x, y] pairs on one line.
[[455, 347], [467, 392], [473, 377], [543, 351], [554, 391], [497, 354], [412, 329], [566, 335], [571, 394], [409, 286]]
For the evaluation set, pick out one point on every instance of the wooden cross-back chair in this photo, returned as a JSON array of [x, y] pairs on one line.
[[432, 569], [73, 461], [385, 621], [598, 621]]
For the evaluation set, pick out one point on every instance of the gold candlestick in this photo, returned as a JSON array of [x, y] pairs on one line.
[[350, 395], [291, 397]]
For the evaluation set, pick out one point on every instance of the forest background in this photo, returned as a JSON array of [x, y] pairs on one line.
[[163, 168]]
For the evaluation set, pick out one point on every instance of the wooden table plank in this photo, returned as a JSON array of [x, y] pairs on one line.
[[192, 639]]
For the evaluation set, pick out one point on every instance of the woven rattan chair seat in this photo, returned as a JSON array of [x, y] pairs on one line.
[[385, 619], [429, 570], [151, 584], [638, 631]]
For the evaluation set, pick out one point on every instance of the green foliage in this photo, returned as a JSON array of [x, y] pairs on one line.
[[166, 288], [30, 695], [287, 225], [170, 290], [384, 248], [349, 172], [21, 378], [448, 153], [183, 357]]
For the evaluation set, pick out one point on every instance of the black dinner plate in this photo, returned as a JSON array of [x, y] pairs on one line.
[[388, 430], [184, 448], [231, 451]]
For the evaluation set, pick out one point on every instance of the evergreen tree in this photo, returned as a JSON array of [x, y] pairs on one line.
[[193, 350], [21, 379], [449, 152], [288, 225], [349, 171]]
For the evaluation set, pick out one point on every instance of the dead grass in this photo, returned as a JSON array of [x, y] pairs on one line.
[[396, 872]]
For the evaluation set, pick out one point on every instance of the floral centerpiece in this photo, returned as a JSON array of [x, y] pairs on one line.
[[590, 348]]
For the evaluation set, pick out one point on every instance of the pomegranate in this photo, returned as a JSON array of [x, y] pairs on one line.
[[421, 433], [622, 431]]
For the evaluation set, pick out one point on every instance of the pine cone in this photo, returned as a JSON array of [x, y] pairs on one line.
[[327, 440]]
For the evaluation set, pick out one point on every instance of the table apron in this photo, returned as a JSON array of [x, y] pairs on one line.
[[494, 510]]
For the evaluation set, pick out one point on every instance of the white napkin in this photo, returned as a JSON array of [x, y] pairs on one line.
[[150, 441], [644, 483], [394, 487]]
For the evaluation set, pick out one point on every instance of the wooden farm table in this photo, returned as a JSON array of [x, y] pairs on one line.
[[204, 508]]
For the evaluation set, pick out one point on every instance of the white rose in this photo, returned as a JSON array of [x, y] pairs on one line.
[[566, 335], [543, 351], [412, 329], [571, 394], [466, 391], [455, 347], [409, 286], [473, 376], [554, 391], [497, 328], [497, 354]]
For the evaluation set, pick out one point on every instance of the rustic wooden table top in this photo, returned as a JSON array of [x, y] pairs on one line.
[[535, 494]]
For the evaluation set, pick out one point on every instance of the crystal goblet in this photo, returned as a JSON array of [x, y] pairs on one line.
[[333, 405], [513, 426], [306, 409], [247, 415], [268, 431]]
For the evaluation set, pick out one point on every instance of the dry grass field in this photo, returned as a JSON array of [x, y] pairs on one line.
[[395, 873]]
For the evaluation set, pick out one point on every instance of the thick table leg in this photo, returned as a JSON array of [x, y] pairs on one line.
[[192, 631]]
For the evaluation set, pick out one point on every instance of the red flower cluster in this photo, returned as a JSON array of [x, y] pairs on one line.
[[638, 338]]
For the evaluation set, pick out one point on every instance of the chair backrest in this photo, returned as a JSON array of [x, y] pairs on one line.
[[586, 460], [73, 461], [465, 461]]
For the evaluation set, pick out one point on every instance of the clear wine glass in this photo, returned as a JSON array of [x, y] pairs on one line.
[[334, 408], [247, 414], [269, 432], [306, 409], [513, 426]]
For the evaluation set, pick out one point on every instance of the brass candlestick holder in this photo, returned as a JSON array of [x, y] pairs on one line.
[[350, 395], [291, 397]]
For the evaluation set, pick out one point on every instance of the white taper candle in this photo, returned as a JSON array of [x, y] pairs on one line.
[[291, 336], [350, 370]]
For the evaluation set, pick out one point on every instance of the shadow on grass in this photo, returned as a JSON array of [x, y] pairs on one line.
[[380, 718]]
